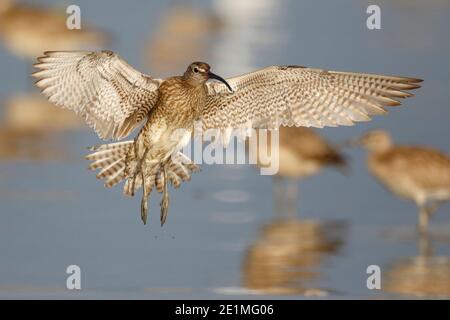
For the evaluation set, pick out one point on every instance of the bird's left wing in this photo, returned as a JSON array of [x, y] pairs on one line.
[[298, 96]]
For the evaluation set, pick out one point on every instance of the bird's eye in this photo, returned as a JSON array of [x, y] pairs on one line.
[[196, 70]]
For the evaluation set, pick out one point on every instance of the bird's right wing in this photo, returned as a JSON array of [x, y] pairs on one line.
[[110, 95]]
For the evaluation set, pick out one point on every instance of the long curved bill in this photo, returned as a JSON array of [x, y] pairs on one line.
[[219, 78]]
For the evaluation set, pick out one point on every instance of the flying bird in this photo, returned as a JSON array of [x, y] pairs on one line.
[[114, 99]]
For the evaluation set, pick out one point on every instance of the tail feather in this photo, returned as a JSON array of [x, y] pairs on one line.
[[175, 179], [128, 187], [110, 150], [112, 146], [159, 182], [100, 163], [176, 171], [149, 183], [117, 162], [111, 159], [115, 178], [112, 168]]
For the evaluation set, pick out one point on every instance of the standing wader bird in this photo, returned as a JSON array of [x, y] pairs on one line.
[[302, 153], [113, 98], [421, 174]]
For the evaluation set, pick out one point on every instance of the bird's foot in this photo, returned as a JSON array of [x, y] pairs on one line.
[[164, 208], [165, 200], [138, 169], [133, 184], [144, 201], [144, 208]]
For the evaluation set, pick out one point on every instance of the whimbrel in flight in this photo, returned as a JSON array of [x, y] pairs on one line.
[[416, 173], [302, 153], [114, 99]]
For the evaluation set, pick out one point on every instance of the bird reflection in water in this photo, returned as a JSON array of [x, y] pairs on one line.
[[289, 252], [288, 255], [425, 275]]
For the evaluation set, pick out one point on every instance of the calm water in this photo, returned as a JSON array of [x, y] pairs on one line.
[[222, 238]]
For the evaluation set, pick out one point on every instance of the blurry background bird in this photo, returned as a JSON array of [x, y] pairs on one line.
[[184, 35], [28, 126], [29, 30], [424, 275], [29, 120], [302, 153], [417, 173]]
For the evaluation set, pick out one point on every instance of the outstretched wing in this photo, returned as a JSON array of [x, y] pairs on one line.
[[298, 96], [111, 96]]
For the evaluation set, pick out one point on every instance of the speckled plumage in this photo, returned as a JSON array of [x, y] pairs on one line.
[[115, 99], [300, 96]]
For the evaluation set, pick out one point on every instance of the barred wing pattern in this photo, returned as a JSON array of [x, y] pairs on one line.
[[111, 96], [299, 96]]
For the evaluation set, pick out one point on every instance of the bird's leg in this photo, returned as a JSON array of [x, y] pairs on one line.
[[426, 211], [292, 195], [278, 195], [425, 246], [165, 198], [144, 200], [424, 215], [136, 156], [434, 206], [138, 166]]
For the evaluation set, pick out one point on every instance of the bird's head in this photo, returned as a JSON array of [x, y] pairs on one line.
[[199, 72], [374, 141]]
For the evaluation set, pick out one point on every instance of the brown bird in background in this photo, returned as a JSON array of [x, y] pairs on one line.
[[302, 153], [28, 126], [29, 30], [416, 173], [114, 99], [183, 35]]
